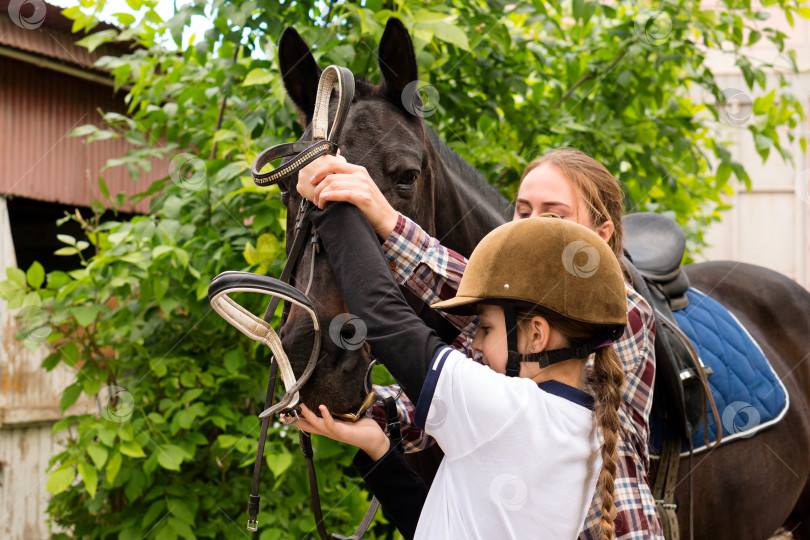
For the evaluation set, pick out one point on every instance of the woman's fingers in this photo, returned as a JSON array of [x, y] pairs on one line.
[[327, 165], [328, 421]]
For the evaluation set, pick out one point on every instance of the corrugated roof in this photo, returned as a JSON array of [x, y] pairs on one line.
[[50, 36], [38, 109], [40, 106]]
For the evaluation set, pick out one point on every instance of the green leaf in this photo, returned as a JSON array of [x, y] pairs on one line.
[[181, 528], [763, 104], [90, 477], [69, 396], [85, 315], [258, 76], [131, 449], [98, 454], [226, 441], [191, 395], [166, 532], [234, 360], [113, 466], [70, 353], [16, 275], [35, 275], [124, 19], [170, 456], [155, 510], [60, 480], [51, 361], [103, 187], [451, 34], [224, 135], [81, 131], [179, 509], [279, 462], [94, 40]]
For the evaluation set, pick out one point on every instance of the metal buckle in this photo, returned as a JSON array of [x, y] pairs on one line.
[[285, 417], [253, 525], [368, 401]]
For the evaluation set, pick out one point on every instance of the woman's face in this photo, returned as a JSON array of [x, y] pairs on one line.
[[546, 190]]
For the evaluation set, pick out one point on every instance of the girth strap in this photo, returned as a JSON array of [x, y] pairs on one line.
[[664, 489]]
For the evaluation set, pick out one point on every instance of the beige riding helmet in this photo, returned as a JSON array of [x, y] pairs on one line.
[[548, 262]]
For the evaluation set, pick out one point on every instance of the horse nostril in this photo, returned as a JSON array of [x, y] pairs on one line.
[[348, 360]]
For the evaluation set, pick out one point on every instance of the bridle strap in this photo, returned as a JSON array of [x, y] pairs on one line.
[[305, 152], [308, 151]]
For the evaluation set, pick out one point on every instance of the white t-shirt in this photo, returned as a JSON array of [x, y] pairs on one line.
[[521, 459]]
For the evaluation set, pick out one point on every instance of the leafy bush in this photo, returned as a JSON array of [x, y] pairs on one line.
[[169, 453]]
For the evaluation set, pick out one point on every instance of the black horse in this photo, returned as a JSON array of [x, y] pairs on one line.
[[742, 490]]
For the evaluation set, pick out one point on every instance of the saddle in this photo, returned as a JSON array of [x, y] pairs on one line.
[[654, 248]]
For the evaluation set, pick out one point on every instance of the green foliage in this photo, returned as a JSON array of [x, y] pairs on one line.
[[169, 453]]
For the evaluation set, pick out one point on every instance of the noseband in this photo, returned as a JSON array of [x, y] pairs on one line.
[[260, 329]]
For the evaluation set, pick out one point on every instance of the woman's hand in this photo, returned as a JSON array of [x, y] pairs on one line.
[[332, 179], [365, 434]]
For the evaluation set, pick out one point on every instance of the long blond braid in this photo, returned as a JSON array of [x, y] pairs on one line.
[[607, 381]]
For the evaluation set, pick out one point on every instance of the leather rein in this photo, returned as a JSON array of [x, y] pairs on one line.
[[260, 330]]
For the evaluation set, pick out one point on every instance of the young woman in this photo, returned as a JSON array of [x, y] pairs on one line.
[[522, 453], [578, 188]]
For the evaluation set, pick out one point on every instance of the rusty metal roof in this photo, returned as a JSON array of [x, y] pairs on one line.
[[40, 104], [50, 36]]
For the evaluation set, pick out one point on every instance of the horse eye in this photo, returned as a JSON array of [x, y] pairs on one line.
[[408, 179], [285, 197]]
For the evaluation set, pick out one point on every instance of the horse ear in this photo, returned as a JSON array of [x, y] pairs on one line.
[[299, 71], [397, 60]]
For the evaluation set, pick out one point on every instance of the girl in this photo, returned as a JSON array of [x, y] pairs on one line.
[[578, 188], [522, 454]]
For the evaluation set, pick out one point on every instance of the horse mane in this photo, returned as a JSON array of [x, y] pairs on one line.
[[469, 174]]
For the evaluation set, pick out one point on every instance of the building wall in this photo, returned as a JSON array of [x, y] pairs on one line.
[[29, 405], [768, 226], [38, 160]]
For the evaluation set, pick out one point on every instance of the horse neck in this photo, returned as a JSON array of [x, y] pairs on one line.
[[466, 207]]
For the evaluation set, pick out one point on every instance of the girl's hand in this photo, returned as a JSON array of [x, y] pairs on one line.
[[365, 434], [332, 178]]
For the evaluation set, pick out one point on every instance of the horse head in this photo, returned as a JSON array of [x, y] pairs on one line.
[[384, 133]]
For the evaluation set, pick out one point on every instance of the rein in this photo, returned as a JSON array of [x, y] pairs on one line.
[[260, 330]]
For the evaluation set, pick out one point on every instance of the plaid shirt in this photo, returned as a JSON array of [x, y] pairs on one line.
[[432, 271]]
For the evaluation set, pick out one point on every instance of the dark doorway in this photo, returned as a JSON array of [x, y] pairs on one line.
[[34, 230]]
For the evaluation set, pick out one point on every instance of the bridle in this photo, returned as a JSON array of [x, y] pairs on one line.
[[279, 289]]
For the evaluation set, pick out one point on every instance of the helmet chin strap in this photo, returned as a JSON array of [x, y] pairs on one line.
[[513, 358], [546, 358]]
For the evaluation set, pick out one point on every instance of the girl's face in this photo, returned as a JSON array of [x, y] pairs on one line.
[[490, 340], [546, 190]]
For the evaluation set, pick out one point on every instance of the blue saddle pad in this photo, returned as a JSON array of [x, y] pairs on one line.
[[748, 393]]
